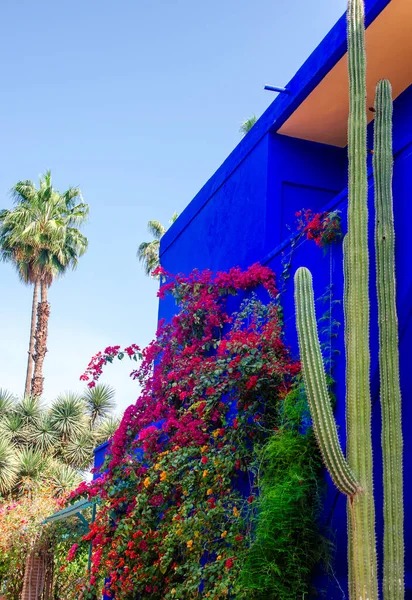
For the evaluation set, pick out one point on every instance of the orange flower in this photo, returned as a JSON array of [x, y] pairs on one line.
[[209, 492], [163, 476], [205, 472], [146, 482], [189, 544], [224, 534]]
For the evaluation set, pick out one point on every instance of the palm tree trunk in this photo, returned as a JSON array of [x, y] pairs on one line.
[[43, 313], [29, 372]]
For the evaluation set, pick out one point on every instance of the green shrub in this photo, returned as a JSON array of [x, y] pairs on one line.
[[287, 542]]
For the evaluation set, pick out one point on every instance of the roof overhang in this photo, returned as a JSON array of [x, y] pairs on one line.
[[75, 510], [322, 116]]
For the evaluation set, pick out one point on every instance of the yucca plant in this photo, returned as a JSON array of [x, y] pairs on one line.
[[106, 429], [99, 402], [79, 451], [29, 410], [8, 465], [67, 416], [62, 477], [13, 429], [31, 463], [44, 435], [49, 447], [6, 402], [37, 440]]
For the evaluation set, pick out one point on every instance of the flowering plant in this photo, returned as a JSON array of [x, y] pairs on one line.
[[323, 228], [174, 521]]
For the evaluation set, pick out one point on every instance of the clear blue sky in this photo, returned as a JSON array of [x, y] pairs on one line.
[[137, 102]]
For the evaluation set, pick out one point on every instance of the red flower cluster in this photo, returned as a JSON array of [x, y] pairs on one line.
[[210, 383], [322, 228], [99, 360], [72, 552]]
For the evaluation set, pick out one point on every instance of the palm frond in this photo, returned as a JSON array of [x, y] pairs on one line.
[[247, 125], [148, 254], [156, 229]]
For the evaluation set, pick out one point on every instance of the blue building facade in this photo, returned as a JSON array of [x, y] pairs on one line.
[[295, 157]]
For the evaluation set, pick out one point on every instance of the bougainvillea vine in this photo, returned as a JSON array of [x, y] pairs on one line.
[[176, 493], [322, 228]]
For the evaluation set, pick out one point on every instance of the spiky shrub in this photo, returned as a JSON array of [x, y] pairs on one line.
[[354, 475], [390, 392]]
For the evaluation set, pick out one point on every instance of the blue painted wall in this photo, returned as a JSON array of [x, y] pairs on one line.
[[242, 216]]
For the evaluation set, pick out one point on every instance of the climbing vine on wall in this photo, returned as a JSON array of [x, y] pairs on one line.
[[178, 495]]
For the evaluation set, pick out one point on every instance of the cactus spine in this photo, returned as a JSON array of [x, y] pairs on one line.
[[361, 513], [390, 393]]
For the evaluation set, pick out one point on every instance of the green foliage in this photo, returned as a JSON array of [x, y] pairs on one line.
[[287, 543], [247, 125], [99, 402], [8, 465], [22, 534], [148, 252], [52, 443]]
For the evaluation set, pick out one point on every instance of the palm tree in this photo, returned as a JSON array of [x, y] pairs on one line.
[[22, 257], [40, 236], [148, 252], [247, 125]]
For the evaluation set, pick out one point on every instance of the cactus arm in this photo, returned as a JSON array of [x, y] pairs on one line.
[[316, 388], [361, 510], [390, 393]]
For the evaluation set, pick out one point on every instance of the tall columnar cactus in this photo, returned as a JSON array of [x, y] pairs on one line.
[[390, 393], [361, 510], [358, 469]]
